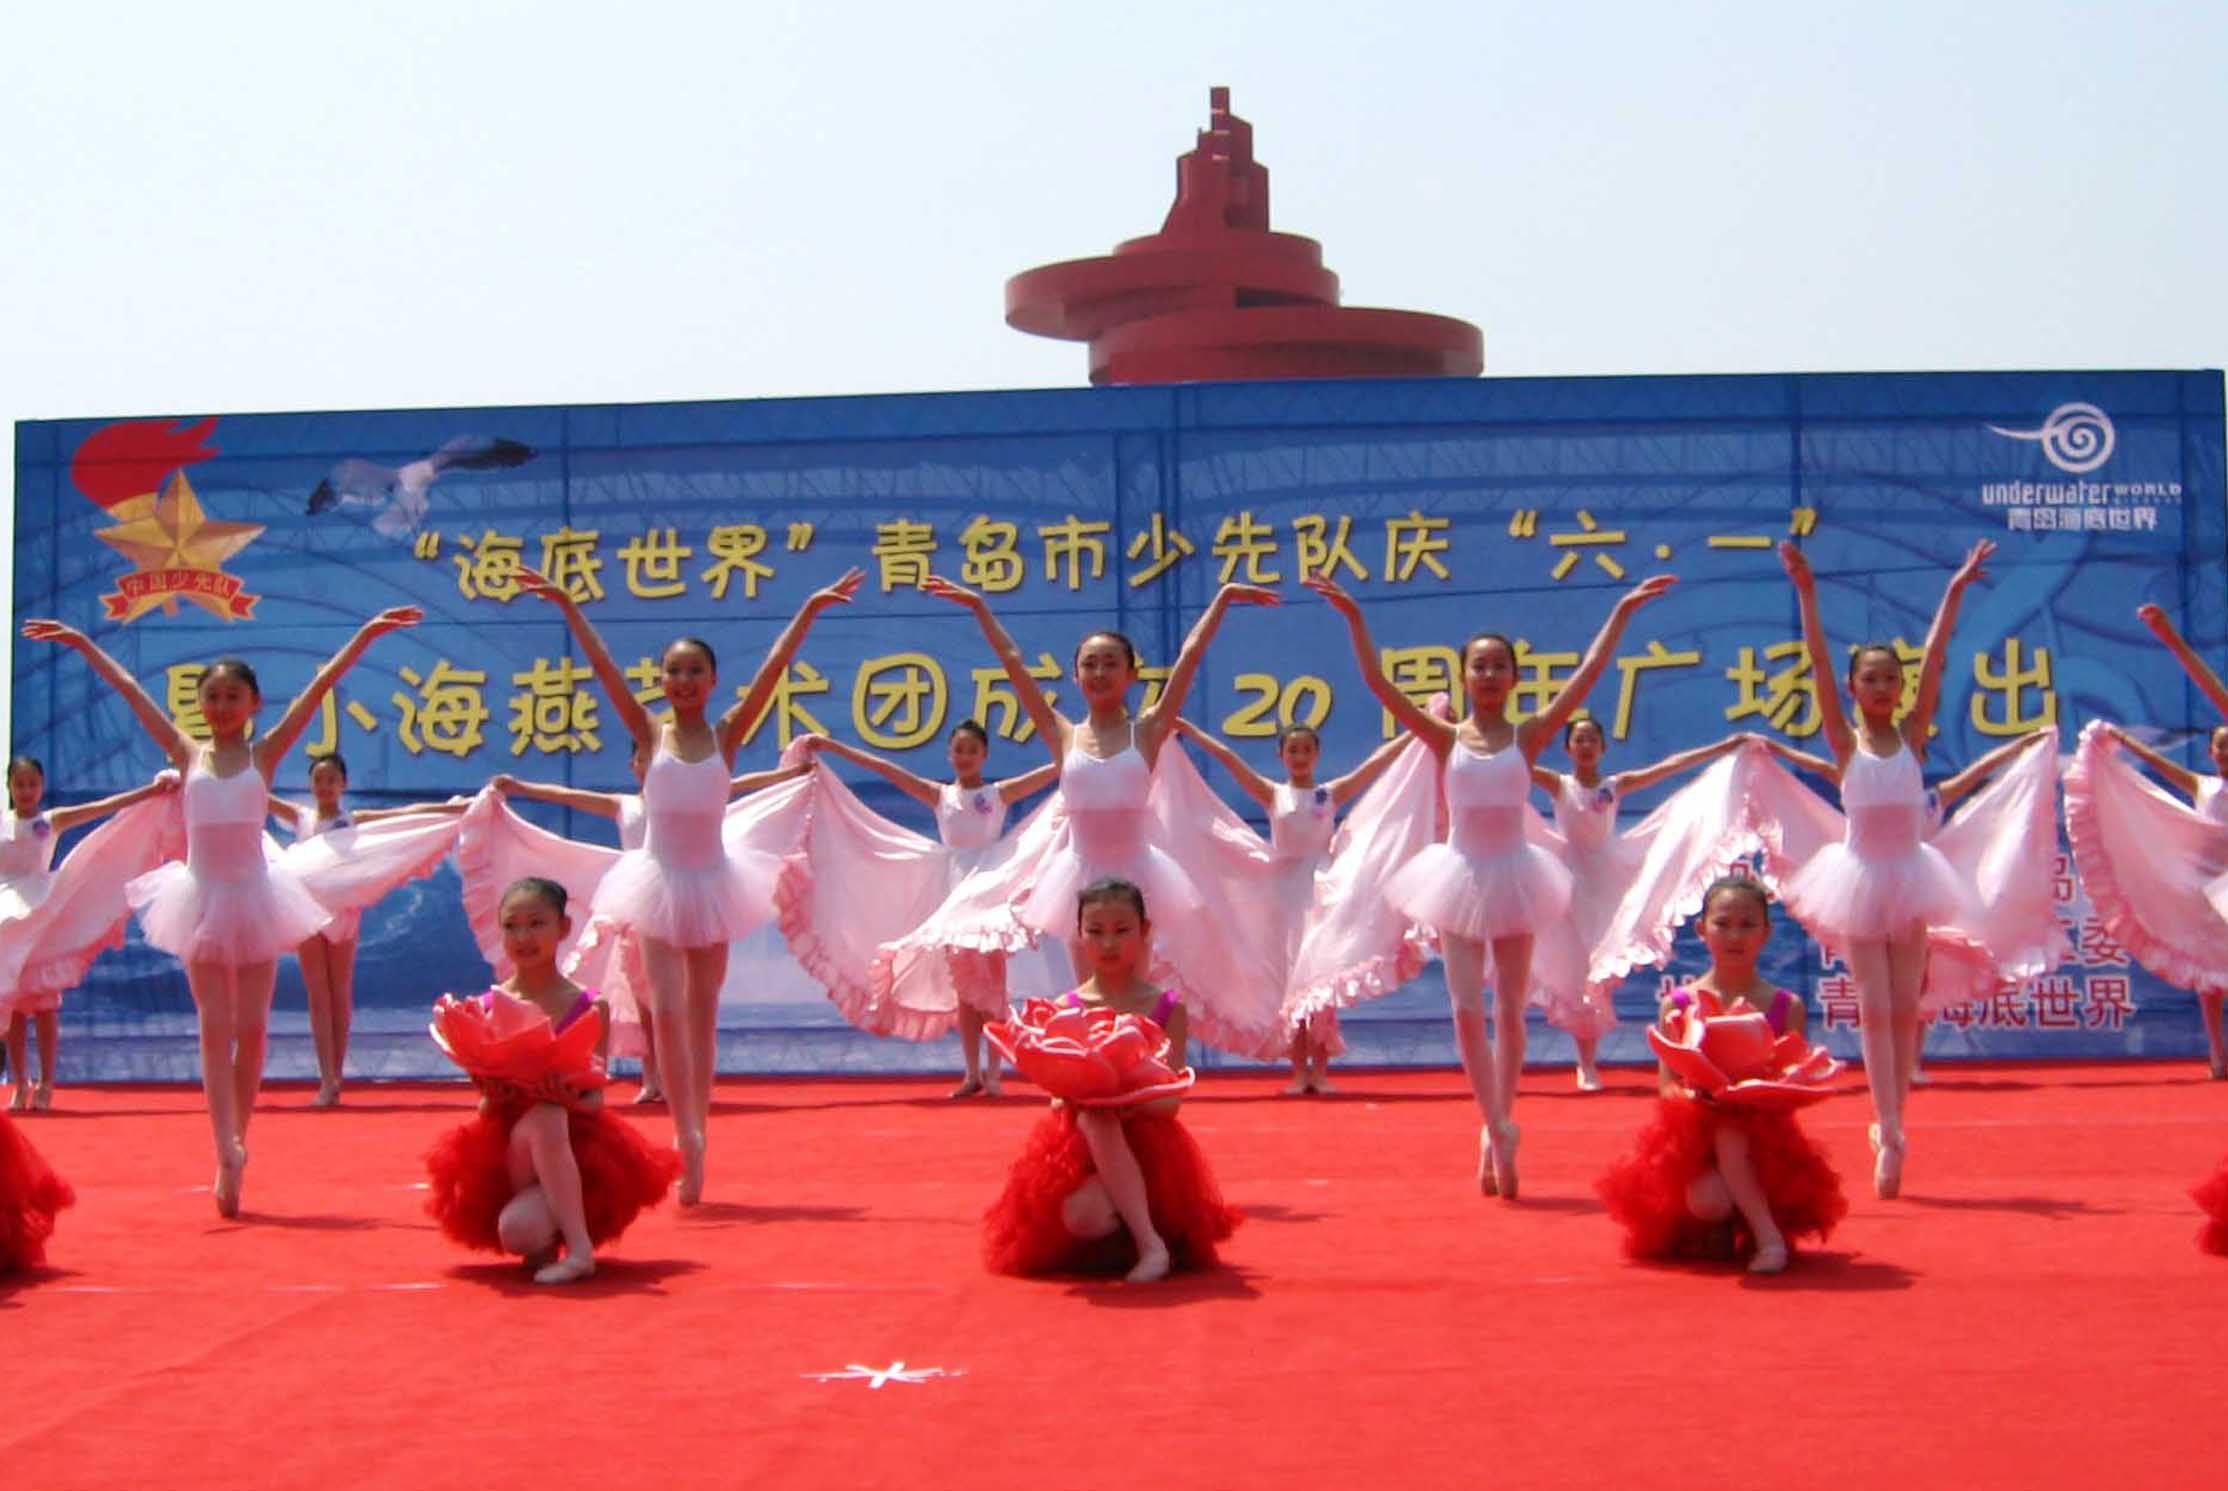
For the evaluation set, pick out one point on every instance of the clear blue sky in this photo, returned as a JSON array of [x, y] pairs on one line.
[[249, 206]]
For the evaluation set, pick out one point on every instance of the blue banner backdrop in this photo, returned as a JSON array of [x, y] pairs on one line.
[[1523, 505]]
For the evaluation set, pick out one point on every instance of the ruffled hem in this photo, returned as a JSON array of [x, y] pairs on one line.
[[1646, 1192], [251, 920], [1024, 1232], [31, 1195], [2212, 1198], [1323, 1033], [1841, 896], [621, 1174], [30, 1002], [1650, 946], [1048, 904], [1372, 978], [725, 902], [2189, 962], [1585, 1014], [1481, 899]]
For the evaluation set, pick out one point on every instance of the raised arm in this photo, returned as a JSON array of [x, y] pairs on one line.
[[1435, 732], [271, 749], [919, 788], [602, 804], [173, 742], [1536, 732], [1155, 724], [632, 715], [1817, 766], [2200, 672], [759, 781], [1352, 785], [286, 810], [65, 819], [1250, 782], [1678, 761], [1831, 720], [1969, 781], [1919, 723], [2179, 776], [1013, 789], [1052, 729], [737, 721]]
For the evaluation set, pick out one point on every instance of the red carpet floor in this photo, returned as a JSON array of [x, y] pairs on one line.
[[2034, 1313]]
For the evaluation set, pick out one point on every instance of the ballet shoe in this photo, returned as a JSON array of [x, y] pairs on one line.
[[327, 1097], [967, 1088], [2220, 1069], [1153, 1263], [1919, 1078], [43, 1100], [1505, 1136], [993, 1086], [570, 1269], [22, 1101], [1589, 1079], [1296, 1088], [1770, 1259], [227, 1185], [1489, 1179], [1320, 1085], [650, 1093], [691, 1189], [1887, 1165]]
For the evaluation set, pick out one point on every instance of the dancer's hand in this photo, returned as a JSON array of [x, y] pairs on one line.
[[393, 619], [2152, 616], [41, 630], [1797, 565], [1248, 595], [837, 594], [502, 784], [1652, 588], [533, 582], [1335, 593], [949, 590], [1975, 565]]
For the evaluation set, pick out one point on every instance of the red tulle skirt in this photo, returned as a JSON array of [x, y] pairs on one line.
[[2213, 1197], [1646, 1191], [30, 1195], [469, 1166], [1025, 1233]]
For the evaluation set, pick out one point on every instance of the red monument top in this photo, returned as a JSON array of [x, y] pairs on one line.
[[1216, 294]]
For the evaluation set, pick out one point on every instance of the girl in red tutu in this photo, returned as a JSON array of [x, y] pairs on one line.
[[1723, 1170], [30, 1195], [1109, 1181], [2212, 1196], [543, 1165]]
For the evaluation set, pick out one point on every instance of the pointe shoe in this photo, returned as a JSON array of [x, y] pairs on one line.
[[1489, 1178], [1589, 1079], [43, 1100], [570, 1269], [967, 1088], [992, 1085], [540, 1259], [227, 1186], [1769, 1259], [1320, 1085], [649, 1094], [1505, 1137], [1887, 1166], [22, 1101], [1152, 1263], [327, 1097], [691, 1189], [1296, 1088]]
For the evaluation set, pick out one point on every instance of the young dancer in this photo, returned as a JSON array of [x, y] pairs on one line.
[[31, 994], [1485, 889], [685, 892], [1873, 896], [227, 913], [348, 870], [31, 1194], [543, 1165], [1603, 866], [1303, 821], [970, 821], [1109, 1181], [1723, 1169]]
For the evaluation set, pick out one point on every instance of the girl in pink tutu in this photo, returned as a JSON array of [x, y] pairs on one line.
[[227, 912], [970, 820], [1723, 1169], [686, 893], [1872, 897], [1603, 866], [34, 981], [328, 957], [1303, 821], [542, 1167], [1486, 889], [1109, 1180]]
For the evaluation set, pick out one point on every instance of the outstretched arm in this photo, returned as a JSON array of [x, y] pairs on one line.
[[1052, 729], [286, 810], [919, 788], [173, 742], [614, 683], [1013, 789], [1919, 723], [1831, 720], [1250, 782], [1352, 785], [448, 809], [2199, 671], [1153, 725], [1817, 766], [65, 819], [1968, 781], [737, 721], [272, 748], [1536, 732], [1678, 761], [1436, 732], [602, 804], [759, 781], [2179, 776]]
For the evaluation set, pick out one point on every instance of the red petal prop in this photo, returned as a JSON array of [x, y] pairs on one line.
[[1733, 1058], [1094, 1058], [497, 1037]]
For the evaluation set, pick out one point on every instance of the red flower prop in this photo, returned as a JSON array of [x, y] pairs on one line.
[[506, 1044], [1093, 1058], [1737, 1061]]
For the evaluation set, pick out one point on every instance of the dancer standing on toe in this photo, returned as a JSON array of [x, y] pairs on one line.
[[35, 979], [543, 1166], [1485, 889], [970, 820], [347, 870], [227, 913], [1303, 820], [1872, 897], [1723, 1170], [1109, 1181], [685, 892]]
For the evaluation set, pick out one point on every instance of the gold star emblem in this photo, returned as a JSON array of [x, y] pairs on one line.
[[168, 535]]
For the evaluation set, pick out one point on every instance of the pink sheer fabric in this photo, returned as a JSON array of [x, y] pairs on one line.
[[46, 950], [2150, 863], [1358, 946], [353, 868]]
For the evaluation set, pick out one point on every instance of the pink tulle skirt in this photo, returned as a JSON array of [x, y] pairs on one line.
[[1840, 895], [30, 1196], [2212, 1197], [1171, 900], [1520, 890], [1646, 1191], [1024, 1232], [621, 1173], [201, 919], [720, 903]]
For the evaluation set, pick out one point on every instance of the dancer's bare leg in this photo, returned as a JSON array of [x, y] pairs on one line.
[[546, 1131], [667, 1001], [1119, 1173], [526, 1226], [49, 1026], [315, 956], [18, 1038], [1738, 1171], [1870, 966], [707, 970], [970, 1051], [1589, 1074], [1512, 977], [1299, 1085], [2208, 1007], [213, 1002], [341, 960], [1463, 962], [1907, 983]]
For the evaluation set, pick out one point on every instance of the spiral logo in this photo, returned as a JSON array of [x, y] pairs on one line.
[[2076, 438]]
